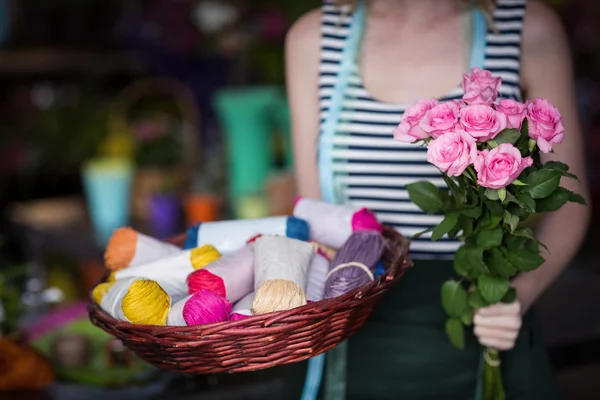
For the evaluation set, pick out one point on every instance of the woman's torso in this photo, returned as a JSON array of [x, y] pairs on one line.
[[371, 169]]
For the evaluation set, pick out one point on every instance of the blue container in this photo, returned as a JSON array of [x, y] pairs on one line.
[[107, 184]]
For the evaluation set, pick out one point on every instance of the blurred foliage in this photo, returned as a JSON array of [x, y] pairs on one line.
[[11, 307], [155, 124], [66, 134]]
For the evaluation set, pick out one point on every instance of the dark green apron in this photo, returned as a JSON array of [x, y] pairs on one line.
[[402, 352]]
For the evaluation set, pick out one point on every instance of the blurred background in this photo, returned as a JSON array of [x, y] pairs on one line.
[[191, 94]]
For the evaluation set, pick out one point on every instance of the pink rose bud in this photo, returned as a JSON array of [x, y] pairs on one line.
[[442, 118], [499, 167], [515, 112], [452, 152], [482, 121], [545, 124], [485, 96], [408, 130], [480, 79]]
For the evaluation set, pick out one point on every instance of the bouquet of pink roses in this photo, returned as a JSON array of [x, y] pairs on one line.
[[489, 153]]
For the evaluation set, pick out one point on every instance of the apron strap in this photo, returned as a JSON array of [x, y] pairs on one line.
[[479, 40], [347, 66], [336, 365]]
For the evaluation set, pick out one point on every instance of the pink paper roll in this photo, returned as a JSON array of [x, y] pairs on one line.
[[231, 276], [332, 224]]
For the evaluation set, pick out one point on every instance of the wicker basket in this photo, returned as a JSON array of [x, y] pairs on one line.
[[261, 341]]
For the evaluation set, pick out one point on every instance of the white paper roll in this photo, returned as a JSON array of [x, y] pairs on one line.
[[229, 236], [170, 272], [317, 272], [244, 306], [175, 317], [329, 224], [277, 257], [149, 249]]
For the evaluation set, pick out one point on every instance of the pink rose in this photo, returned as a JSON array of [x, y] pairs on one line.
[[515, 112], [486, 96], [408, 130], [480, 79], [482, 122], [452, 152], [499, 167], [442, 118], [545, 124]]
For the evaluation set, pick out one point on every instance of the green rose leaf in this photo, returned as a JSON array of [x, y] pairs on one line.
[[514, 209], [510, 296], [459, 193], [576, 198], [455, 332], [556, 200], [468, 261], [556, 165], [514, 241], [447, 224], [419, 234], [425, 195], [508, 136], [495, 207], [502, 194], [512, 199], [454, 231], [523, 259], [476, 301], [454, 298], [492, 288], [490, 238], [542, 183], [527, 201], [511, 220], [466, 224], [560, 167], [473, 212], [467, 317], [498, 264], [492, 194]]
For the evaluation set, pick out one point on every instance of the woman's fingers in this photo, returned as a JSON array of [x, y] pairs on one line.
[[501, 309], [498, 344], [512, 322]]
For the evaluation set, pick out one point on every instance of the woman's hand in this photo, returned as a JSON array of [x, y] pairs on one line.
[[498, 326]]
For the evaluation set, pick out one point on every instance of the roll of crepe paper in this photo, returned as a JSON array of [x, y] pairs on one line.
[[280, 273], [172, 271], [128, 247], [229, 236], [231, 277], [202, 307], [332, 224], [318, 270], [355, 263], [243, 308], [135, 300]]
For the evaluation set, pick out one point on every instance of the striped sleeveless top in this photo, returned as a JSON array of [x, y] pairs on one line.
[[371, 167]]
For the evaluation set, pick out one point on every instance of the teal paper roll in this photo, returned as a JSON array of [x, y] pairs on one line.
[[107, 185], [245, 117]]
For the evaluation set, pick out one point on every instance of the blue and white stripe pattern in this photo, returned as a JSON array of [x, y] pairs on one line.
[[371, 167]]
